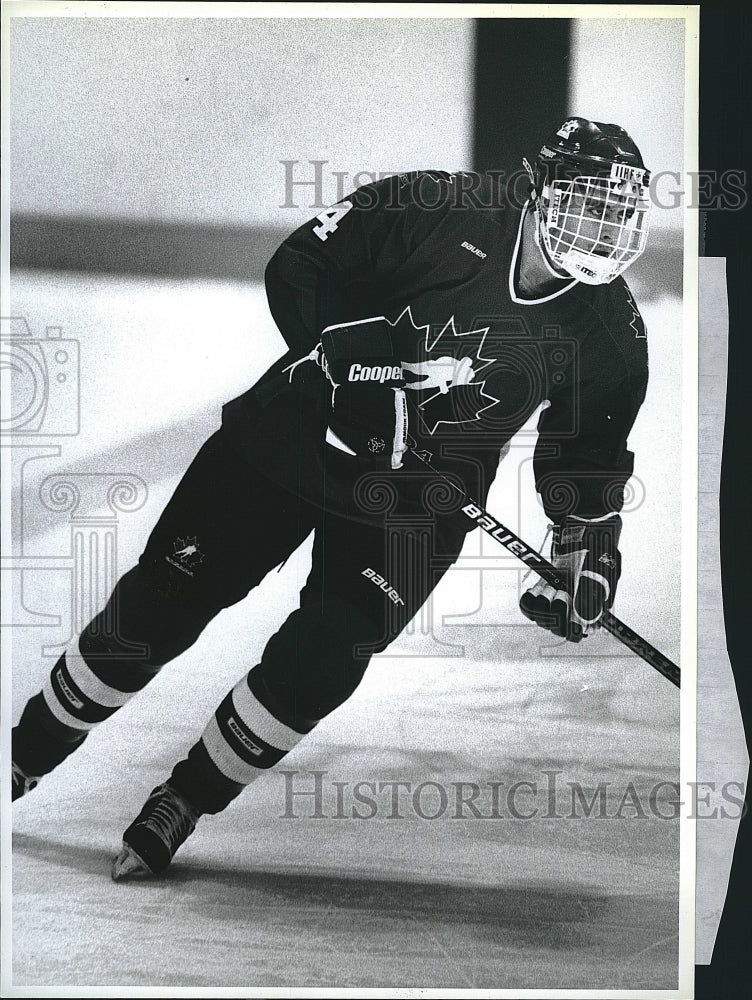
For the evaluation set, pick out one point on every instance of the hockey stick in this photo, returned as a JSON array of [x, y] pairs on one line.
[[479, 516]]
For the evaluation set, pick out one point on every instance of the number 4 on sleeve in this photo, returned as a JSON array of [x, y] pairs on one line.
[[330, 219]]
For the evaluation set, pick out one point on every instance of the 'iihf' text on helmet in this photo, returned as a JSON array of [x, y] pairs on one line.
[[591, 196]]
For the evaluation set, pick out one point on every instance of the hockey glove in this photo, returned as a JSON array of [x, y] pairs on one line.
[[586, 554], [369, 411]]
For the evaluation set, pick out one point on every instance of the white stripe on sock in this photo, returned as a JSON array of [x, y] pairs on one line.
[[260, 721], [90, 684], [60, 712], [225, 758]]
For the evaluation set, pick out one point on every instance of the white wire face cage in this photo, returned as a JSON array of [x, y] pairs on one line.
[[594, 227]]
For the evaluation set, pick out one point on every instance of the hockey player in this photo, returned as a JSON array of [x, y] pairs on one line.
[[421, 312]]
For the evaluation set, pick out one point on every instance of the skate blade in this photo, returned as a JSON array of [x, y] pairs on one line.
[[128, 864]]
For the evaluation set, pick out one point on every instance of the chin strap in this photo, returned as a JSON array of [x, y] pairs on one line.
[[540, 243], [535, 207]]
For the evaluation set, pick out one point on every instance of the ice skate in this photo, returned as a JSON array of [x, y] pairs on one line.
[[150, 842]]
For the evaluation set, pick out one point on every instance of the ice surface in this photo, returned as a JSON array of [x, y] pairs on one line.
[[471, 693]]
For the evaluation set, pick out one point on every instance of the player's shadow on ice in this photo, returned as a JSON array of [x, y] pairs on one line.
[[564, 918], [523, 913], [86, 859]]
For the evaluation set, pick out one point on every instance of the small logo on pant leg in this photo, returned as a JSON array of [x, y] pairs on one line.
[[473, 249], [186, 555], [382, 584]]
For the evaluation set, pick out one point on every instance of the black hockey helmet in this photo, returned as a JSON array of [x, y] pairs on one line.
[[581, 147], [590, 189]]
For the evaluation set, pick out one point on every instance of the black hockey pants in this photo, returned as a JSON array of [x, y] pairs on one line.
[[221, 533]]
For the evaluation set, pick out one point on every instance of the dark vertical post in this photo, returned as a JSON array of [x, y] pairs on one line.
[[522, 68]]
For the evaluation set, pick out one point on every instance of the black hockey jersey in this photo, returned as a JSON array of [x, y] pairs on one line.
[[436, 254]]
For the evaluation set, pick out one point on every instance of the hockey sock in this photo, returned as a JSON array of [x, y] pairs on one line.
[[307, 670], [73, 700], [242, 740], [117, 654], [40, 742]]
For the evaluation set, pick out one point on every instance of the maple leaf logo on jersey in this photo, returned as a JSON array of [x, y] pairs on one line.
[[634, 322], [447, 371]]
